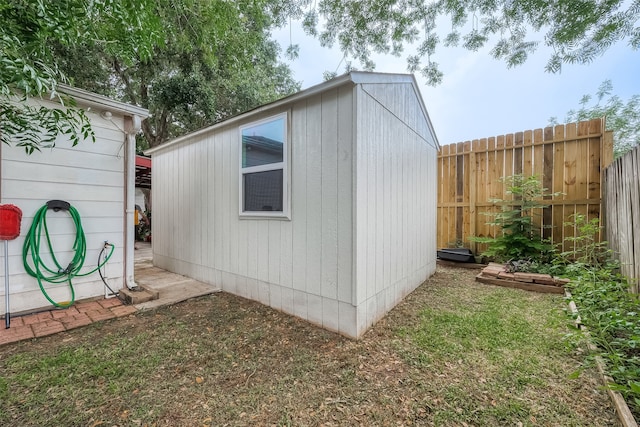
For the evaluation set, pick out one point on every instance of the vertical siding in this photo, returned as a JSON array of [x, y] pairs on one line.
[[302, 266], [91, 178], [345, 199], [396, 199], [362, 228], [299, 195], [329, 196], [313, 193]]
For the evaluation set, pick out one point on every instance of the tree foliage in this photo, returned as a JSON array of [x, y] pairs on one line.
[[217, 60], [622, 117], [29, 68], [191, 62], [131, 48], [577, 30]]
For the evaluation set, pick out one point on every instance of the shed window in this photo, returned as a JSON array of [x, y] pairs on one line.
[[263, 168]]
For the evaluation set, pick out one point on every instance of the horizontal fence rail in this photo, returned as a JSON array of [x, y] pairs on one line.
[[622, 213], [567, 159]]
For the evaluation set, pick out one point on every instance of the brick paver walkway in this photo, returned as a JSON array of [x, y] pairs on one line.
[[59, 320]]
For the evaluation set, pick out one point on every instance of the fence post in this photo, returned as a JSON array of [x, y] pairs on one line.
[[606, 158]]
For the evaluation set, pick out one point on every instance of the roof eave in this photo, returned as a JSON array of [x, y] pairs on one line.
[[103, 103], [355, 77], [313, 90]]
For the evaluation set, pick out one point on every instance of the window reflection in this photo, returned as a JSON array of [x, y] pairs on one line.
[[263, 144]]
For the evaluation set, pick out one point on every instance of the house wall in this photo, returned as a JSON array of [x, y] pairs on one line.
[[91, 178], [302, 266], [396, 189]]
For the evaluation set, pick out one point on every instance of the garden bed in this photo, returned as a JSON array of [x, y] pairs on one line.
[[499, 275], [625, 416]]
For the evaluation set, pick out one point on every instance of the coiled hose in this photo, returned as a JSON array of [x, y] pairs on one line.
[[35, 266]]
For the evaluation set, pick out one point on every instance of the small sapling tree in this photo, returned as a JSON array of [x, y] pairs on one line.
[[519, 233]]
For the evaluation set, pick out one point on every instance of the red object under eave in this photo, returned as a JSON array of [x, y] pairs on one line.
[[143, 172], [10, 217], [143, 161]]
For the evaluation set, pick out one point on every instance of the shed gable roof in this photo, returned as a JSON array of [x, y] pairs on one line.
[[354, 78]]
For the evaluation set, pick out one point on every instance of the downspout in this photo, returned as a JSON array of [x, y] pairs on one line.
[[132, 126]]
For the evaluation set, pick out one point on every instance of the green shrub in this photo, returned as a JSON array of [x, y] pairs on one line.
[[520, 236], [587, 249], [607, 308]]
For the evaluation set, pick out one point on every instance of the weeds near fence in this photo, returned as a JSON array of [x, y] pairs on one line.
[[607, 309], [610, 312]]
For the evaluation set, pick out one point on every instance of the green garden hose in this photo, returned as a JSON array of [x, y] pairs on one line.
[[58, 274]]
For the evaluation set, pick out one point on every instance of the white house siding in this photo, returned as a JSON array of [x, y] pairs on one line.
[[301, 266], [90, 177], [395, 198]]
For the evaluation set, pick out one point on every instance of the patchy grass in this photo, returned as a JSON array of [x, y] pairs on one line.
[[453, 353]]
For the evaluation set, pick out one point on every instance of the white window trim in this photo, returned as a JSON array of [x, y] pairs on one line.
[[284, 165]]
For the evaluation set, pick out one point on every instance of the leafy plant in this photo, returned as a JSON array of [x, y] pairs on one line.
[[623, 116], [576, 31], [607, 308], [519, 235], [610, 312], [38, 127], [221, 64], [554, 267], [588, 250], [30, 70]]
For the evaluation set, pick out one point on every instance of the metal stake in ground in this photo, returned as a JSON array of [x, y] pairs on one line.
[[7, 316]]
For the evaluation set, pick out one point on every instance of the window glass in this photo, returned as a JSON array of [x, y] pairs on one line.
[[263, 168], [263, 143], [263, 191]]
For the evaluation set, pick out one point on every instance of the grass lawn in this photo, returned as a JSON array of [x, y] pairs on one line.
[[454, 353]]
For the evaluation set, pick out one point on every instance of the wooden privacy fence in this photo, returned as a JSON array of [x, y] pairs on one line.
[[566, 158], [622, 213]]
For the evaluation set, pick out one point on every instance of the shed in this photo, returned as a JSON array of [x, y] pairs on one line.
[[97, 179], [321, 204]]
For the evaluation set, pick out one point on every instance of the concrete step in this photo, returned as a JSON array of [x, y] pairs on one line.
[[139, 295]]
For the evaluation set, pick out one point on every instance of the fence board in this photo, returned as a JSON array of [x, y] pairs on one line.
[[481, 191], [622, 213], [547, 180], [508, 155], [518, 160], [570, 159], [558, 180], [528, 153], [498, 189], [584, 129]]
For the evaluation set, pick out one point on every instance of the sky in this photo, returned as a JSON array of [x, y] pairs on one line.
[[479, 96]]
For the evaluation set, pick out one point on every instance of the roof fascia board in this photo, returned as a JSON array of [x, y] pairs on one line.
[[356, 77], [363, 77], [94, 100], [425, 112]]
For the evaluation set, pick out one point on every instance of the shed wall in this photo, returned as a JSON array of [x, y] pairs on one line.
[[301, 266], [396, 191], [91, 178]]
